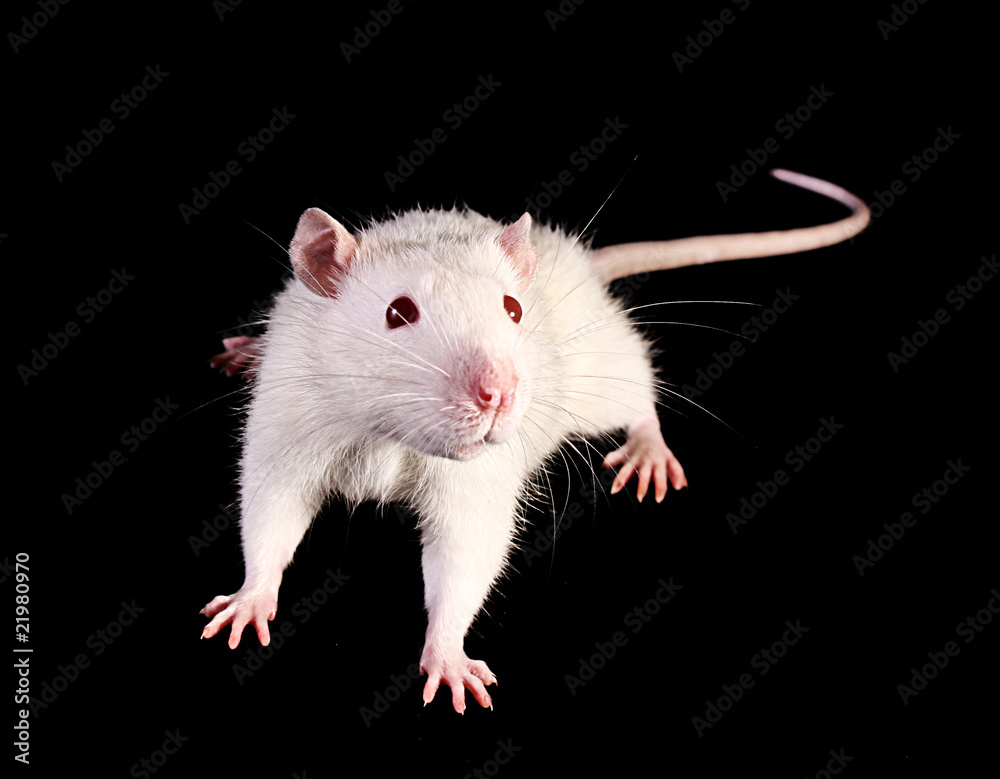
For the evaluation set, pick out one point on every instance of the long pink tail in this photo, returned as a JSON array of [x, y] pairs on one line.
[[627, 259]]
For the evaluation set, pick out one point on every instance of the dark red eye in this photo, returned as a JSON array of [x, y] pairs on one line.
[[513, 308], [402, 311]]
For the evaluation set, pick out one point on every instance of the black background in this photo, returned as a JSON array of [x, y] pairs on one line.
[[302, 711]]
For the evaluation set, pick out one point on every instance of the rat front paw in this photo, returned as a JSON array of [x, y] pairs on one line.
[[645, 453], [254, 607], [458, 672]]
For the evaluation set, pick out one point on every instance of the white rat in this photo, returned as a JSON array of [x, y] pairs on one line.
[[438, 359]]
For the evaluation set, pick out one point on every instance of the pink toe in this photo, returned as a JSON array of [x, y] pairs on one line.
[[458, 696], [475, 685], [431, 688]]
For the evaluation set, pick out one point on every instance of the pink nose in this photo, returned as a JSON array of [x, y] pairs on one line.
[[495, 397]]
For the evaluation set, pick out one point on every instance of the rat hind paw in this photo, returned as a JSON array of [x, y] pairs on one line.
[[460, 674], [646, 454], [239, 610], [242, 354]]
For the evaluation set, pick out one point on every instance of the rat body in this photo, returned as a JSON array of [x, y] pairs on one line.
[[439, 359]]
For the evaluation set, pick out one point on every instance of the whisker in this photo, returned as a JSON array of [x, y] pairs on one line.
[[601, 207]]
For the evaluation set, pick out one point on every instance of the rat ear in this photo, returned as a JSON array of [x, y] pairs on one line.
[[516, 242], [321, 251]]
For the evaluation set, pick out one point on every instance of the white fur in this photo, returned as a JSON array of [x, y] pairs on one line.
[[344, 405]]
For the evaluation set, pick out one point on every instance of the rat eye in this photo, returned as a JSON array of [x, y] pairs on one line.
[[402, 311], [513, 308]]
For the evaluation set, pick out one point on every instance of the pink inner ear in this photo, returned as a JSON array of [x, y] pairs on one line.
[[516, 242], [321, 251]]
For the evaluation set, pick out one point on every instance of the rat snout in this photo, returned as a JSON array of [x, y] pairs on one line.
[[495, 394], [494, 403], [494, 386]]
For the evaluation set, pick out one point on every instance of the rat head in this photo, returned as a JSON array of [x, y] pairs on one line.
[[427, 312]]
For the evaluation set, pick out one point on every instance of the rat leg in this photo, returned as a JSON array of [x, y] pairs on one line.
[[272, 525], [463, 554], [242, 354], [646, 453]]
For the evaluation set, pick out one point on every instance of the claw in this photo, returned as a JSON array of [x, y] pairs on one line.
[[246, 607], [646, 455], [460, 674]]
